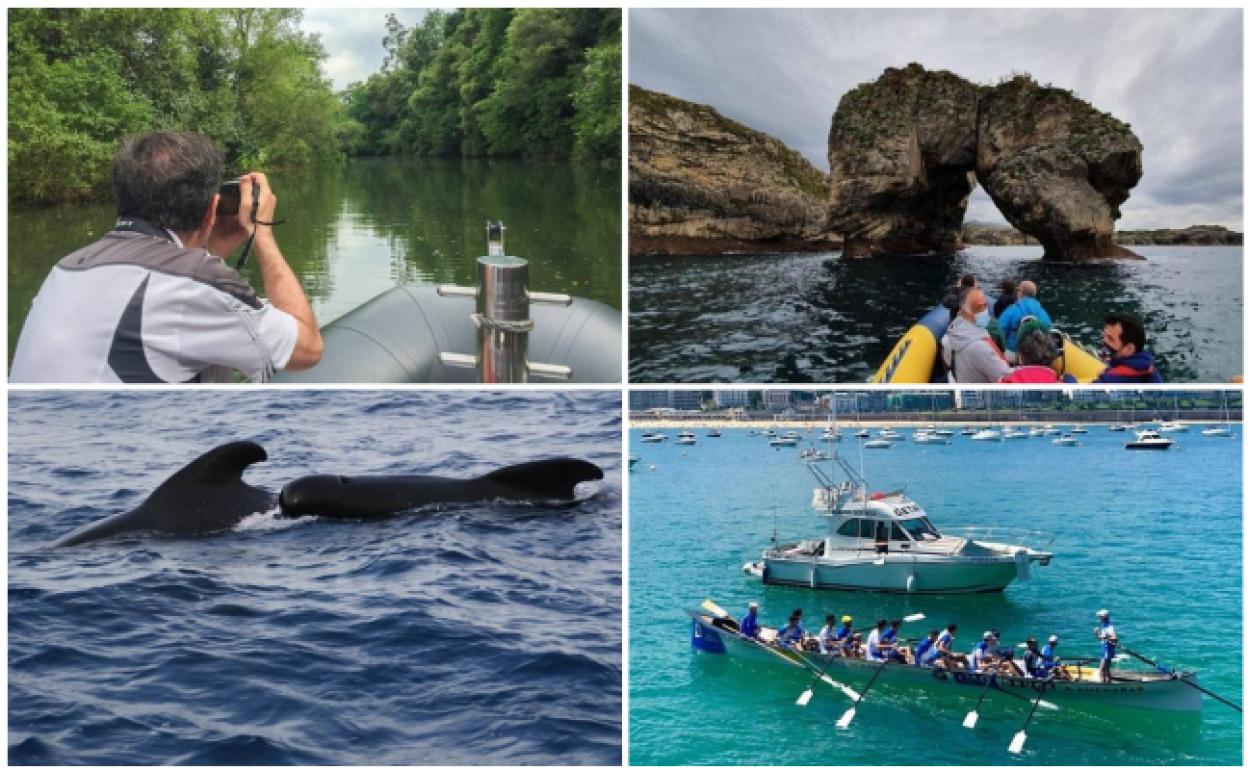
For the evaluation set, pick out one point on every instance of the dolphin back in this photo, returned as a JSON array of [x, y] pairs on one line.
[[206, 495]]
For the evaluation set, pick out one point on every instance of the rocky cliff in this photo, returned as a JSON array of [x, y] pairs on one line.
[[902, 156], [906, 150], [1196, 235], [701, 183], [1057, 168]]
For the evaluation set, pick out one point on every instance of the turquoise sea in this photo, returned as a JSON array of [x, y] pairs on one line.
[[1154, 536]]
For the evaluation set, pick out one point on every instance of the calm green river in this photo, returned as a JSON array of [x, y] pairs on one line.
[[356, 230]]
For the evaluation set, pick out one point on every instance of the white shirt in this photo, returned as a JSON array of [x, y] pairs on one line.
[[873, 645], [136, 308], [827, 636]]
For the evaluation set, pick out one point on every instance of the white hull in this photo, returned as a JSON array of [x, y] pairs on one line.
[[899, 573]]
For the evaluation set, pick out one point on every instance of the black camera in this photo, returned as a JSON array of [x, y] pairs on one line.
[[231, 196]]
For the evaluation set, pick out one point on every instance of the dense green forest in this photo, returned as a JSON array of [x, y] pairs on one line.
[[474, 82], [80, 79], [494, 81]]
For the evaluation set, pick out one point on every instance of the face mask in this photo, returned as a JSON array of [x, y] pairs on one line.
[[982, 319]]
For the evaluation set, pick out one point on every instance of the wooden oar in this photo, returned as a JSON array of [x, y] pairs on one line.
[[972, 717], [1020, 737], [1165, 670], [848, 716]]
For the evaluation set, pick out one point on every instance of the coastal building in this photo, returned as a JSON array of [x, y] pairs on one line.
[[727, 399]]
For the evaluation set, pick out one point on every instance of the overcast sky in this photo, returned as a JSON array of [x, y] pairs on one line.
[[1175, 75], [352, 38]]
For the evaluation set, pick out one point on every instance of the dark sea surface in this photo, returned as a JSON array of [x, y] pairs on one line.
[[357, 229], [1157, 537], [820, 318], [474, 634]]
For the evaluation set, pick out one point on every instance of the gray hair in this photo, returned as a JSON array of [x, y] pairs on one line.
[[167, 178]]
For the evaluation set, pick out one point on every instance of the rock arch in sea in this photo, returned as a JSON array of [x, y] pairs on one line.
[[907, 149]]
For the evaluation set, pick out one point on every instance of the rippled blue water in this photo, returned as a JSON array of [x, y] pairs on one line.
[[820, 318], [475, 634], [1155, 536]]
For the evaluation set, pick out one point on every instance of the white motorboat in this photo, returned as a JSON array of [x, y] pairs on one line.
[[864, 433], [1067, 440], [653, 438], [1078, 429], [987, 434], [829, 435], [1050, 430], [713, 433], [877, 443], [686, 438], [1149, 439], [633, 460], [1118, 427], [812, 455], [1035, 432], [924, 437], [885, 542], [783, 441], [888, 434], [968, 431], [1013, 433], [946, 432], [1219, 431], [1172, 427]]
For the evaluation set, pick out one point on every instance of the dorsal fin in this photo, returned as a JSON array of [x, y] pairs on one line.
[[222, 465], [553, 479]]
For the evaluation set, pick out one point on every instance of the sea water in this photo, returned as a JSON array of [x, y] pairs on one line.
[[821, 318], [1156, 537], [473, 634]]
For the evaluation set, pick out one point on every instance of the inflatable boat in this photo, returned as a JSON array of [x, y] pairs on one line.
[[495, 332], [916, 356]]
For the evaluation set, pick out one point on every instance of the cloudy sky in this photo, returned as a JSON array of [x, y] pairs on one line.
[[352, 38], [1175, 75]]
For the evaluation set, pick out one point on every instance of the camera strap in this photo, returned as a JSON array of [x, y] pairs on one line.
[[255, 206], [129, 224]]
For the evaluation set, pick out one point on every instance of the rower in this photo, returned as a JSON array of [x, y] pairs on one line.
[[890, 642], [1109, 644], [1048, 659], [979, 655], [1031, 659], [845, 634], [853, 648], [875, 650], [925, 654], [791, 635], [749, 624], [944, 646], [827, 635]]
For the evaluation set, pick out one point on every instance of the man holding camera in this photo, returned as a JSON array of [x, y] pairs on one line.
[[153, 301]]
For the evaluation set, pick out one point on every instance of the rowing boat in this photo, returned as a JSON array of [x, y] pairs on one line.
[[1148, 690]]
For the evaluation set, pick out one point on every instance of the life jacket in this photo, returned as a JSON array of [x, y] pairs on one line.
[[1031, 374]]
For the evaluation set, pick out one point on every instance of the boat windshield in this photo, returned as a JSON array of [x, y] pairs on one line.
[[920, 529]]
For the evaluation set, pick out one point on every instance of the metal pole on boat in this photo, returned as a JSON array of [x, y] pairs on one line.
[[502, 317]]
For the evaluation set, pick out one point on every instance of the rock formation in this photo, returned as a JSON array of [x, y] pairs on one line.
[[902, 156], [701, 183], [906, 149], [1057, 168]]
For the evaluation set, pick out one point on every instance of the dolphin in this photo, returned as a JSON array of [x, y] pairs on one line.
[[209, 495]]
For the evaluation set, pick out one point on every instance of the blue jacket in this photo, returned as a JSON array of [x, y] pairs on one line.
[[1137, 367], [1013, 317], [749, 625]]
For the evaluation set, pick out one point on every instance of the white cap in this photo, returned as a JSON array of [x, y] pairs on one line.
[[987, 634], [1102, 613], [1053, 638], [753, 605]]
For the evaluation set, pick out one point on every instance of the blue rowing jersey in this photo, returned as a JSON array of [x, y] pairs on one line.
[[1106, 631], [791, 634], [1048, 661], [749, 625], [888, 635], [844, 632], [925, 652]]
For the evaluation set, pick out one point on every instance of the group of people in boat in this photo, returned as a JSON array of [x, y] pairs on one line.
[[1012, 341], [883, 645]]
